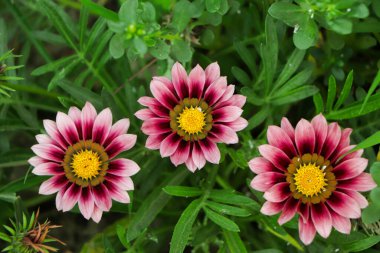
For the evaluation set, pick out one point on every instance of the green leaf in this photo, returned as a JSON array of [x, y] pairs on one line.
[[371, 213], [290, 67], [148, 12], [5, 237], [100, 10], [247, 57], [318, 103], [288, 13], [121, 234], [116, 47], [306, 34], [241, 75], [9, 229], [373, 87], [182, 191], [53, 66], [371, 141], [362, 244], [267, 251], [160, 50], [22, 184], [231, 197], [9, 197], [258, 118], [182, 229], [359, 11], [221, 221], [294, 95], [234, 242], [182, 51], [345, 91], [227, 209], [298, 80], [375, 172], [341, 25], [376, 7], [140, 46], [331, 93], [128, 12], [182, 14], [213, 5], [269, 52], [152, 206]]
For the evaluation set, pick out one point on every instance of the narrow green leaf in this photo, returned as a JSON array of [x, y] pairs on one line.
[[298, 80], [247, 57], [345, 91], [5, 237], [294, 95], [331, 93], [53, 66], [9, 197], [362, 244], [233, 198], [270, 52], [100, 10], [241, 76], [373, 87], [182, 191], [182, 229], [9, 229], [22, 184], [227, 209], [221, 221], [234, 242], [371, 141], [83, 20], [121, 234], [318, 103]]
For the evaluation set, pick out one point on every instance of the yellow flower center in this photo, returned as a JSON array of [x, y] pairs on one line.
[[86, 164], [310, 179], [192, 120]]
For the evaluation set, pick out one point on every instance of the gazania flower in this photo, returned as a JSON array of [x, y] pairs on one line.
[[190, 114], [79, 153], [303, 171]]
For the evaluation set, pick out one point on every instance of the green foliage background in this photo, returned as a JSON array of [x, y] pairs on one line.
[[290, 58]]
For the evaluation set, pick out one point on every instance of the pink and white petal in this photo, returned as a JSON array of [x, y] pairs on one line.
[[190, 165], [102, 197], [71, 197], [305, 137], [53, 185], [48, 152], [212, 73], [59, 196], [277, 137], [271, 208], [350, 168], [119, 144], [197, 156], [52, 130], [215, 91], [119, 128], [278, 192], [156, 126], [304, 211], [355, 154], [332, 140], [166, 81], [181, 154], [344, 205], [275, 155], [288, 128], [155, 106], [145, 114], [96, 214], [197, 78], [226, 114], [116, 193], [224, 134], [163, 94], [360, 199], [289, 210], [306, 231], [88, 117], [169, 145], [210, 150], [338, 154], [179, 79], [321, 217], [238, 124], [102, 126], [154, 141], [123, 167], [44, 139], [320, 126], [236, 100], [344, 139], [86, 203], [124, 183], [36, 160], [266, 180], [340, 223], [261, 165], [76, 115], [48, 169], [362, 183], [227, 96]]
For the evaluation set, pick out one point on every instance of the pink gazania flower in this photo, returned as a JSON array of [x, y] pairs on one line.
[[79, 153], [303, 171], [188, 115]]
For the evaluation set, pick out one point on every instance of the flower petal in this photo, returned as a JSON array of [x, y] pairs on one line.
[[322, 219], [88, 117], [305, 137], [116, 193], [362, 183], [155, 106], [48, 169], [350, 168], [261, 165], [179, 78], [154, 141], [226, 114], [119, 128], [278, 192], [181, 154], [156, 126], [190, 165], [340, 223], [288, 128], [197, 78], [212, 73], [52, 130], [266, 180], [275, 155], [48, 152], [332, 140], [277, 137], [36, 160], [344, 205], [169, 145], [163, 94], [145, 114], [71, 197], [210, 151], [123, 167], [238, 124], [271, 208], [53, 184], [96, 214], [86, 203], [102, 197], [306, 230], [289, 210], [197, 156], [44, 139], [360, 199], [224, 134], [121, 143], [320, 126], [102, 126], [76, 115], [215, 91]]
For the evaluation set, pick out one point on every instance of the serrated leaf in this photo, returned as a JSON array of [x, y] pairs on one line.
[[221, 220], [182, 191], [182, 229]]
